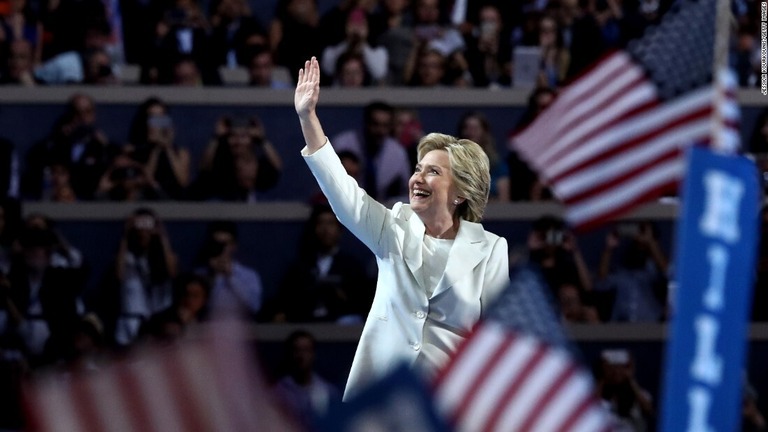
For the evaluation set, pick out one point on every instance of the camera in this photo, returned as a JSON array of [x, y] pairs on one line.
[[628, 230], [124, 173], [615, 356], [145, 223], [554, 237]]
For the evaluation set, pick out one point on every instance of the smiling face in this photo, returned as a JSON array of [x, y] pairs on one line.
[[431, 187]]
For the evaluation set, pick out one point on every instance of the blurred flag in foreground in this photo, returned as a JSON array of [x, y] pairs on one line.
[[518, 371], [206, 384], [615, 137], [399, 402]]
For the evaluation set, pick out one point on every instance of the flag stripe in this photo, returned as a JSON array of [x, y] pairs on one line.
[[157, 394], [484, 398], [630, 173], [575, 94], [625, 104], [628, 193], [562, 404], [190, 411], [547, 369], [613, 163], [85, 405], [486, 369], [108, 404], [513, 386], [131, 395], [462, 367], [679, 131], [202, 385], [567, 373]]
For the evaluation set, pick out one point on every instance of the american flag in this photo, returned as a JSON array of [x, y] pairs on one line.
[[518, 371], [207, 384], [616, 137]]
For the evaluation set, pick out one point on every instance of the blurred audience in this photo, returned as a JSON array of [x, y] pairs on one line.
[[474, 126], [10, 176], [240, 162], [144, 270], [350, 71], [294, 33], [408, 131], [637, 277], [234, 31], [41, 304], [128, 180], [236, 289], [10, 221], [305, 393], [17, 67], [63, 253], [75, 142], [190, 307], [555, 250], [375, 59], [631, 404], [325, 282], [489, 49], [181, 34], [152, 143], [392, 28], [385, 164], [262, 71]]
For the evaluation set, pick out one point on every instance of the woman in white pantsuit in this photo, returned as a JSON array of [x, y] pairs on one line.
[[438, 267]]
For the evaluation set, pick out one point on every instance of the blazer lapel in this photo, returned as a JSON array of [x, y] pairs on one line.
[[412, 244], [468, 250]]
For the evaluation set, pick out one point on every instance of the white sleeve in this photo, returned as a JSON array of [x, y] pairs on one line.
[[365, 217]]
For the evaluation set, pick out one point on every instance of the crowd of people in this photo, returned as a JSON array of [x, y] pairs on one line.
[[46, 318], [360, 43]]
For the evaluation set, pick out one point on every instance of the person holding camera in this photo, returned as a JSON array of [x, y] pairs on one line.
[[554, 249], [152, 142], [145, 267], [638, 281], [77, 143], [40, 304], [235, 288], [629, 403], [127, 180], [239, 163]]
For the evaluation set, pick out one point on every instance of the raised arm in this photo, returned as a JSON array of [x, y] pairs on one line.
[[305, 99]]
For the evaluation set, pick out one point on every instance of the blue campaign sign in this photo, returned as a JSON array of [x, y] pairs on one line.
[[715, 260]]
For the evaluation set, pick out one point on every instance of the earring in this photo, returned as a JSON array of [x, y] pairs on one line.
[[456, 201]]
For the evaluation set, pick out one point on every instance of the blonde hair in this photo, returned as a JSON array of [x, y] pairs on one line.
[[470, 168]]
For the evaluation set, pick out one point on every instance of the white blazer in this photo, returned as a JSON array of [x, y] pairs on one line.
[[476, 271]]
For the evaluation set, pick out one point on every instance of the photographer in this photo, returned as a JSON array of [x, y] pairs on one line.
[[152, 141], [239, 162], [127, 180], [146, 265], [75, 142], [554, 249], [235, 288], [41, 302], [638, 281], [631, 404]]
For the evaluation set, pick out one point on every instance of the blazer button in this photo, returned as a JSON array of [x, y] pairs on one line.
[[420, 315], [416, 346]]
